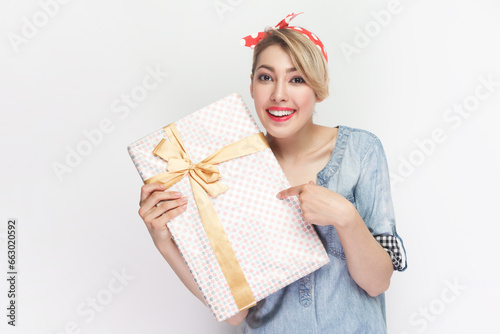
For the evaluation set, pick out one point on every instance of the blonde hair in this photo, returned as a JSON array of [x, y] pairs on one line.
[[305, 55]]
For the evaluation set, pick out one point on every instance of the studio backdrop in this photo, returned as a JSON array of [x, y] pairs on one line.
[[81, 80]]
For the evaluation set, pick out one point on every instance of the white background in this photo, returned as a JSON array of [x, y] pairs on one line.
[[78, 229]]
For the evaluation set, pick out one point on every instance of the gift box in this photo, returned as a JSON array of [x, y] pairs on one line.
[[238, 240]]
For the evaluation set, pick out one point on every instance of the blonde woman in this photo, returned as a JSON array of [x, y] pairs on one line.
[[341, 178]]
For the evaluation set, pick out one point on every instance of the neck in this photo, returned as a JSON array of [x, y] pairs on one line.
[[296, 146]]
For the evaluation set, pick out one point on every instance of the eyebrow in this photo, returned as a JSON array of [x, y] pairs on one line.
[[270, 68]]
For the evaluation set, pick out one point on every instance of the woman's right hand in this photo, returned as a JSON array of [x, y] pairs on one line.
[[157, 207]]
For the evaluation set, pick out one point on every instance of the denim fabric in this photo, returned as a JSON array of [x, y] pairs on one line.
[[328, 300]]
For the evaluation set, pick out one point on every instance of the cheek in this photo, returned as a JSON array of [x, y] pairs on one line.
[[259, 94], [308, 99]]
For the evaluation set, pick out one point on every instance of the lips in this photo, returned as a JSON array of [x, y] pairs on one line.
[[280, 114]]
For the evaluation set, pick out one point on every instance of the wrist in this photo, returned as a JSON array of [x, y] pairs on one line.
[[350, 218], [165, 247]]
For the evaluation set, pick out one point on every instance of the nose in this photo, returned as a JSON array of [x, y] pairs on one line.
[[280, 93]]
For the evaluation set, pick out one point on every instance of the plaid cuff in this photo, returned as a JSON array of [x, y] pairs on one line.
[[394, 247]]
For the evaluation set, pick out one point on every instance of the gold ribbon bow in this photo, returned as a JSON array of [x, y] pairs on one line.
[[204, 178]]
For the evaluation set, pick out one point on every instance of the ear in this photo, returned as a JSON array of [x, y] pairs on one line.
[[251, 85]]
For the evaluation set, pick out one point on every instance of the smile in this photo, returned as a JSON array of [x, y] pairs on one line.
[[280, 112]]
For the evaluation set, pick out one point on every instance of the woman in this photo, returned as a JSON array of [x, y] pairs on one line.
[[341, 178]]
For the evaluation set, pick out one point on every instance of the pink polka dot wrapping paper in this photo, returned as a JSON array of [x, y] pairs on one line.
[[274, 245]]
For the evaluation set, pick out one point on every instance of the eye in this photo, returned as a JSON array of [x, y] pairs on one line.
[[264, 77], [298, 80]]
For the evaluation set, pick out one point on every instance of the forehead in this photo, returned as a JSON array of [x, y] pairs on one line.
[[276, 57]]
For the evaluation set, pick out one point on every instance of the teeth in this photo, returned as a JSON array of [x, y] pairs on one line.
[[280, 113]]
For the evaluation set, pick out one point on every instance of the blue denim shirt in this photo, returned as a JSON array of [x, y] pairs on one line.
[[328, 300]]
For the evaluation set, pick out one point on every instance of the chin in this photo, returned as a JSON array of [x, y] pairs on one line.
[[275, 133]]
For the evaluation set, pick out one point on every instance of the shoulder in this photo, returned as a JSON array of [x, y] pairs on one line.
[[359, 140]]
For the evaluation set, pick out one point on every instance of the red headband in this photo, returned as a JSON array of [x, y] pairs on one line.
[[252, 40]]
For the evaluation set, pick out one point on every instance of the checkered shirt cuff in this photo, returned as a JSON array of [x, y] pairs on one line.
[[395, 249]]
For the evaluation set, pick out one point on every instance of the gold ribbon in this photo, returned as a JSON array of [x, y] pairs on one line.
[[204, 178]]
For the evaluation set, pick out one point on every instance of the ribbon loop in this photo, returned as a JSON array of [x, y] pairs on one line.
[[286, 21], [178, 165]]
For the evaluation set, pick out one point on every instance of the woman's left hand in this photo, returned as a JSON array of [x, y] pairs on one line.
[[320, 205]]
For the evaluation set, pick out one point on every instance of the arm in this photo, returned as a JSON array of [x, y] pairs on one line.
[[157, 207], [369, 264]]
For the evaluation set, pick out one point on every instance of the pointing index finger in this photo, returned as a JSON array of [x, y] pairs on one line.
[[292, 191]]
